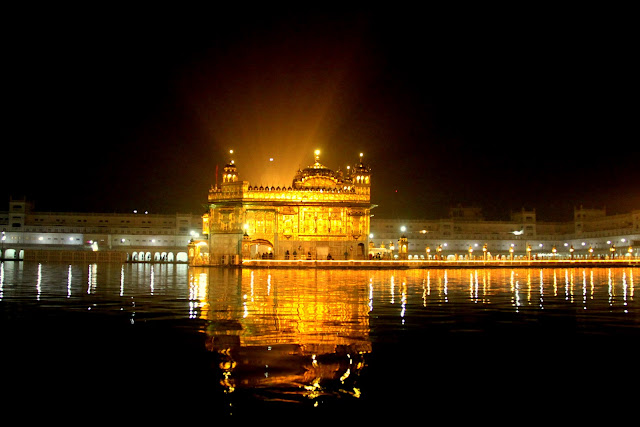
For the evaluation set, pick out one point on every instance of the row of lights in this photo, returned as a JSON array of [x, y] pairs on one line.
[[612, 248]]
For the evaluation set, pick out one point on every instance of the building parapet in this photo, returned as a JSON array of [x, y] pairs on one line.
[[287, 195]]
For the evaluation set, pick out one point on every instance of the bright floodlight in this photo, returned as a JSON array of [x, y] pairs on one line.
[[403, 228]]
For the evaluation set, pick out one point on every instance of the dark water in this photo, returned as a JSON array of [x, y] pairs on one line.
[[350, 345]]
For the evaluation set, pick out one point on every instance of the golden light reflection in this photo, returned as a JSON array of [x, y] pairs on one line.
[[584, 289], [486, 284], [309, 329], [624, 289], [1, 280], [611, 289], [198, 301], [541, 289], [515, 291], [403, 300], [69, 275]]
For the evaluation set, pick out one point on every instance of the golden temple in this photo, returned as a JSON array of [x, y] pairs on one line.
[[324, 214]]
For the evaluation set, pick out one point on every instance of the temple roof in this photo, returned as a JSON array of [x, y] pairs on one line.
[[318, 176]]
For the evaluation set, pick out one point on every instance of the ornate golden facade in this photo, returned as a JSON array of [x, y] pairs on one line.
[[324, 214]]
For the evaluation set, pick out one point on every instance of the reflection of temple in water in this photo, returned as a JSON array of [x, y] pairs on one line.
[[324, 214], [305, 334], [305, 330]]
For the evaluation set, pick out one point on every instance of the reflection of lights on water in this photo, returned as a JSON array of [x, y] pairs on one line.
[[624, 290], [121, 280], [198, 288], [313, 389], [424, 292], [89, 277], [317, 317], [584, 289], [345, 375], [403, 301], [445, 289], [610, 289], [268, 283], [392, 291], [473, 286], [515, 291], [151, 284], [541, 290], [69, 282], [39, 281]]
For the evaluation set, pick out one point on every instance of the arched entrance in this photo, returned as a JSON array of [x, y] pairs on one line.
[[9, 254], [261, 248], [13, 254]]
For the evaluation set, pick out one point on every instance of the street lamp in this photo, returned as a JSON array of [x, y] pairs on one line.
[[529, 252], [571, 251], [511, 252], [612, 249], [484, 252], [470, 252], [428, 252]]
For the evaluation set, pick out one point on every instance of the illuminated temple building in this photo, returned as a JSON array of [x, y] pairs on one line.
[[324, 214]]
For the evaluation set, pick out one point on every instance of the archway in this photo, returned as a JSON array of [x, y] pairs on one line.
[[170, 257], [261, 248], [10, 254], [182, 257]]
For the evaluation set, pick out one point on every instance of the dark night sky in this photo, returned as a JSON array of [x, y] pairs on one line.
[[498, 110]]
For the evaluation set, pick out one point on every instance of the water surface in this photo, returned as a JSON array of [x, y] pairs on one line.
[[356, 344]]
